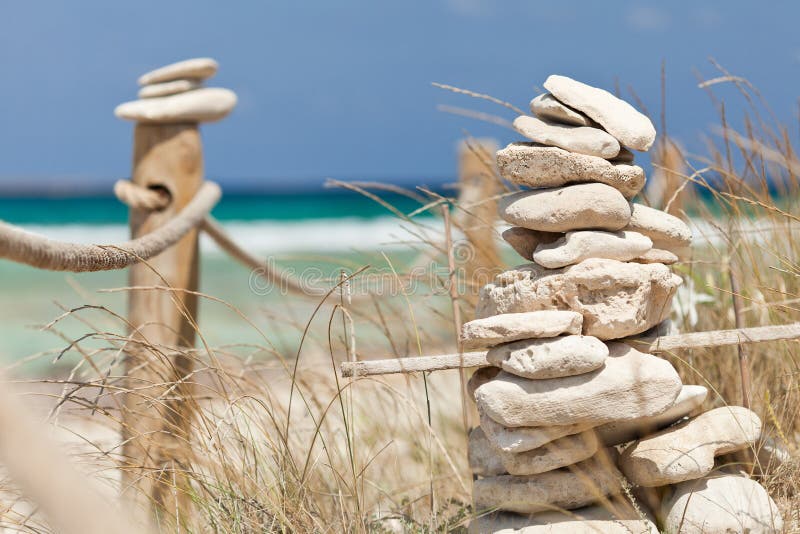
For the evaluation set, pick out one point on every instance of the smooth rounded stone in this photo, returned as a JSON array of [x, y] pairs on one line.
[[484, 459], [525, 241], [201, 105], [559, 453], [632, 128], [580, 245], [687, 450], [616, 299], [579, 139], [630, 385], [524, 438], [199, 68], [534, 165], [480, 377], [657, 255], [490, 331], [561, 209], [667, 231], [566, 488], [726, 504], [595, 519], [547, 107], [168, 88], [549, 358], [688, 400]]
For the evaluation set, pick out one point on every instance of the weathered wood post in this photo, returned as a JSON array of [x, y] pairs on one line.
[[168, 157]]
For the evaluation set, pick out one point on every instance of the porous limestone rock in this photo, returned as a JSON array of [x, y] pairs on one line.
[[591, 206], [616, 299], [579, 139], [630, 385], [632, 128], [726, 504], [567, 488], [687, 450], [579, 245], [688, 400], [524, 438], [657, 255], [490, 331], [484, 459], [534, 165], [199, 68], [559, 453], [201, 105], [525, 241], [549, 358], [667, 231], [547, 107], [168, 88]]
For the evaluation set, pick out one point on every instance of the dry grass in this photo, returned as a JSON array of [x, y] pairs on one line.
[[281, 443]]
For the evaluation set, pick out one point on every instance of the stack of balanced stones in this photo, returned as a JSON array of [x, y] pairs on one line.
[[572, 416], [175, 94]]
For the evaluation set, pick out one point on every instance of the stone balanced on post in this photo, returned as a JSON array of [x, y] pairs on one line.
[[569, 410]]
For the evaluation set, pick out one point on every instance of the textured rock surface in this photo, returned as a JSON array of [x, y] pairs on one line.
[[657, 255], [168, 88], [547, 107], [616, 299], [549, 358], [490, 331], [534, 165], [520, 439], [562, 488], [480, 377], [594, 519], [579, 139], [561, 209], [686, 451], [580, 245], [200, 105], [667, 231], [630, 385], [197, 68], [484, 460], [726, 504], [525, 241], [559, 453], [689, 399], [632, 128]]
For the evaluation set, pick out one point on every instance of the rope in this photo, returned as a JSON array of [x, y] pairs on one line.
[[38, 251]]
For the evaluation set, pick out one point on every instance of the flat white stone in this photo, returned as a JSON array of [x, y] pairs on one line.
[[657, 255], [201, 105], [687, 450], [168, 88], [595, 519], [525, 241], [534, 165], [572, 488], [688, 400], [616, 299], [580, 139], [524, 438], [547, 107], [559, 453], [630, 385], [549, 358], [199, 68], [490, 331], [723, 504], [561, 209], [580, 245], [632, 128], [666, 231]]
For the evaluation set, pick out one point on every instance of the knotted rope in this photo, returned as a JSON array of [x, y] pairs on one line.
[[38, 251]]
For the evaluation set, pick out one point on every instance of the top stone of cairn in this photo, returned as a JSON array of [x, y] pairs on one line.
[[630, 127], [199, 68]]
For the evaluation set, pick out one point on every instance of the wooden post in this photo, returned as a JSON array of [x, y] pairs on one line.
[[157, 415]]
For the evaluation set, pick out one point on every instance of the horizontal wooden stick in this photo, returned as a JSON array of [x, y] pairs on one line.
[[440, 362]]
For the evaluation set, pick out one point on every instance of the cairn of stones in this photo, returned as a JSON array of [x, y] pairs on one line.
[[580, 431]]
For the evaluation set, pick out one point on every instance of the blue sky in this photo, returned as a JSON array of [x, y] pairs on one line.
[[342, 88]]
